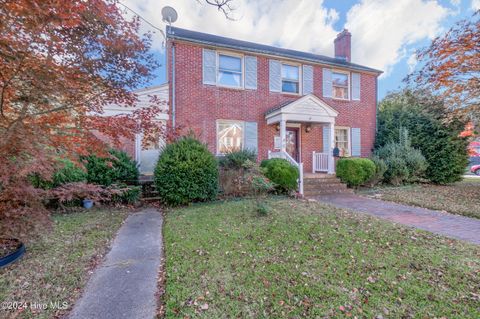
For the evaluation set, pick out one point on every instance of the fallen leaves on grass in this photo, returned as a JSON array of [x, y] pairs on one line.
[[310, 260]]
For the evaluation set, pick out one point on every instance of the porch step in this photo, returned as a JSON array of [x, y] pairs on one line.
[[149, 191], [145, 179], [322, 184]]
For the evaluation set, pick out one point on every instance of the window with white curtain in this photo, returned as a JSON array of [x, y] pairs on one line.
[[230, 70], [342, 141], [230, 136], [340, 84]]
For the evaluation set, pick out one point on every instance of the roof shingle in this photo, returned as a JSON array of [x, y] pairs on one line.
[[214, 40]]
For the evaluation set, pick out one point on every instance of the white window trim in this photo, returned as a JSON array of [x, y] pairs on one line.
[[349, 83], [217, 70], [216, 134], [349, 138], [300, 77]]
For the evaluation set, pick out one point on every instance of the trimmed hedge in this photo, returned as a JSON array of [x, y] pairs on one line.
[[186, 172], [355, 171], [283, 174]]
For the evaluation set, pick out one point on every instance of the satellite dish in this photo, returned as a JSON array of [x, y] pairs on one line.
[[169, 14]]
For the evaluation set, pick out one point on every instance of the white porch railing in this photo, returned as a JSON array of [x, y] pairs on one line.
[[320, 162], [291, 160]]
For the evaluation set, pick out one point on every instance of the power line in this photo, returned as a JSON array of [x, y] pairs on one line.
[[142, 18]]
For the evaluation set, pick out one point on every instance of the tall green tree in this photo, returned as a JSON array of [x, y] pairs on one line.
[[425, 117]]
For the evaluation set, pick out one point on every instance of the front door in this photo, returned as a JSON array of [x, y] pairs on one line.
[[149, 155], [292, 143]]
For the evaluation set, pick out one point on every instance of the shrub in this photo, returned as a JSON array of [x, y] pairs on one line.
[[119, 168], [262, 208], [380, 169], [125, 194], [433, 129], [74, 193], [232, 182], [283, 174], [247, 180], [186, 171], [236, 160], [66, 172], [355, 171], [404, 163]]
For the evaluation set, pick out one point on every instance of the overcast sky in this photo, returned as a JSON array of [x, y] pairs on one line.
[[385, 33]]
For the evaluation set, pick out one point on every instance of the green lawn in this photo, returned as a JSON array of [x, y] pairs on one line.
[[462, 198], [57, 266], [314, 261]]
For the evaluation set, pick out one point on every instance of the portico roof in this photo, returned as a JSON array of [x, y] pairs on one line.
[[308, 108]]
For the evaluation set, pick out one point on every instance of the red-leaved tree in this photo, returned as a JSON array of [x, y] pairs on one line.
[[61, 62], [452, 67]]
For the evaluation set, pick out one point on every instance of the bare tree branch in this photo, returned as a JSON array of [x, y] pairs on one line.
[[224, 6]]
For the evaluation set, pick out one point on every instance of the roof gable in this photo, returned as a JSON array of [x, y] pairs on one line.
[[309, 104], [308, 108]]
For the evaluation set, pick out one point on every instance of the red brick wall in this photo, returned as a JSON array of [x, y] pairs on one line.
[[198, 106]]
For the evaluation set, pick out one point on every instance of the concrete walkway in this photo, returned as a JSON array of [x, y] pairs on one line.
[[124, 286], [441, 223]]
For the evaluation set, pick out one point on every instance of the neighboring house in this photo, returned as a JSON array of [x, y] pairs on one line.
[[146, 157], [281, 103]]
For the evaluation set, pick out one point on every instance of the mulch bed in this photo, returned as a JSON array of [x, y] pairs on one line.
[[8, 246]]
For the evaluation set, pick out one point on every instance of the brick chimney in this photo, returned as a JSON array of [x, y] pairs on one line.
[[343, 46]]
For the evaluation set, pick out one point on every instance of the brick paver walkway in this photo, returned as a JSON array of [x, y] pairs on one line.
[[446, 224]]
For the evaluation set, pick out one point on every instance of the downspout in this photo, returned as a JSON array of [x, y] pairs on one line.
[[376, 104], [173, 85]]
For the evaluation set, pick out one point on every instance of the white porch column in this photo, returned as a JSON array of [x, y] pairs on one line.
[[283, 135], [331, 161]]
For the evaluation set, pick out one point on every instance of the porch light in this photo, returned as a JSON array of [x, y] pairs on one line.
[[308, 128], [277, 127]]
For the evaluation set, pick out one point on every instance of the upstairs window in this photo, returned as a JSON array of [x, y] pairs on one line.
[[340, 85], [290, 78], [230, 71], [230, 136]]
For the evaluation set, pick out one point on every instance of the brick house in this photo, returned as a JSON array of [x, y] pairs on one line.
[[281, 103]]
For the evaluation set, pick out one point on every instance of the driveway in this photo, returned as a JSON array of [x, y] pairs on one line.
[[454, 226]]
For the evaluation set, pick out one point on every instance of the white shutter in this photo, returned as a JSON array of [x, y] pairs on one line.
[[251, 72], [356, 142], [307, 79], [251, 136], [327, 82], [356, 86], [275, 75], [326, 140], [209, 67]]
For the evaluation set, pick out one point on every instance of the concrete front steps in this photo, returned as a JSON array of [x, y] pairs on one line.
[[323, 184], [149, 192]]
